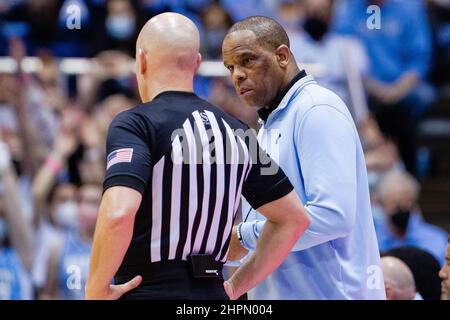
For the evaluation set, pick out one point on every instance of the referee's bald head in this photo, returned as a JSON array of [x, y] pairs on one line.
[[167, 53], [268, 32]]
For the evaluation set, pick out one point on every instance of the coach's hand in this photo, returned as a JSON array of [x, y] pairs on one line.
[[114, 292]]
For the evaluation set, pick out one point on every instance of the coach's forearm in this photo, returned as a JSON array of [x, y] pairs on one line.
[[111, 241], [274, 244]]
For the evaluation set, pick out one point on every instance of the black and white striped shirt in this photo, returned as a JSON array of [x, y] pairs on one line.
[[191, 162]]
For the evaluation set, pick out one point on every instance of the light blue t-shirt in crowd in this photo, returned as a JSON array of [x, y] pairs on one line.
[[402, 43], [15, 282]]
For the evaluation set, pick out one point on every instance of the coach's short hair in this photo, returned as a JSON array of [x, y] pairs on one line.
[[268, 32]]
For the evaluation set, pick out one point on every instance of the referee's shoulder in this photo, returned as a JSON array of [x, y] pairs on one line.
[[137, 116]]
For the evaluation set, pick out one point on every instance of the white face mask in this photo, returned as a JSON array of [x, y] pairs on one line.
[[66, 215]]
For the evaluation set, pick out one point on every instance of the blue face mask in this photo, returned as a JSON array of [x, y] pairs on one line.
[[120, 27], [3, 230]]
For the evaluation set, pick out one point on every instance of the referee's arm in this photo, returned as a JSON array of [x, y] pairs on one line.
[[274, 197], [112, 238], [286, 222], [129, 166]]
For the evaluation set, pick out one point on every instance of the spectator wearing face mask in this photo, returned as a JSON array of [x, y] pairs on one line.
[[399, 50], [55, 212], [68, 265], [404, 224], [342, 60], [118, 28]]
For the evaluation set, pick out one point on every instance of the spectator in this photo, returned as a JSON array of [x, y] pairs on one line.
[[119, 28], [35, 21], [444, 274], [439, 12], [425, 269], [15, 236], [152, 8], [54, 205], [398, 280], [58, 220], [216, 22], [69, 261], [343, 60], [74, 40], [111, 74], [106, 112], [246, 8], [400, 57], [404, 225]]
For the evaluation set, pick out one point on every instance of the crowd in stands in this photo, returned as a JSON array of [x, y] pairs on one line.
[[53, 125]]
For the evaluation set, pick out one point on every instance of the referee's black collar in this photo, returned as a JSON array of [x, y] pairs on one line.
[[175, 93], [265, 112]]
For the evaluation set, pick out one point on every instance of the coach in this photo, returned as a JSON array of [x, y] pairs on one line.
[[311, 133]]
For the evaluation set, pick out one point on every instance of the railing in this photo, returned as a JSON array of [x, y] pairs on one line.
[[77, 66]]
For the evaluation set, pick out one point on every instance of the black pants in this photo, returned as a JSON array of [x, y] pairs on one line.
[[170, 280]]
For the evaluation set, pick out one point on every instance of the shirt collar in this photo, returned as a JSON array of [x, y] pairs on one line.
[[265, 112], [175, 93]]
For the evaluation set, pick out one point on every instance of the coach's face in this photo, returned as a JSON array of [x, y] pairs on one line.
[[257, 72]]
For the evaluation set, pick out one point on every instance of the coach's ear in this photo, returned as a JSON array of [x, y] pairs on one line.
[[142, 62], [283, 54]]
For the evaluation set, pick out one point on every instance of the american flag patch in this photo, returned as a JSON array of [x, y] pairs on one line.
[[119, 156]]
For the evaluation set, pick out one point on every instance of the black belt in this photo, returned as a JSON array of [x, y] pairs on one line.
[[197, 267], [174, 280]]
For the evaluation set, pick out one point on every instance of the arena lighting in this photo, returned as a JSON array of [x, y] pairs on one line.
[[74, 66]]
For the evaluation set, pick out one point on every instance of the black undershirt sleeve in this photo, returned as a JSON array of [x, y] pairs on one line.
[[266, 181]]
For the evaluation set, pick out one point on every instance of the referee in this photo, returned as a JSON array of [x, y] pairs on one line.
[[175, 174]]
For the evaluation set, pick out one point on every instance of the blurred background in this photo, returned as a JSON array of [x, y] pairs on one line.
[[67, 68]]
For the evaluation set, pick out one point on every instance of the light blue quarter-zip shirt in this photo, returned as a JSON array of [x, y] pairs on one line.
[[312, 136]]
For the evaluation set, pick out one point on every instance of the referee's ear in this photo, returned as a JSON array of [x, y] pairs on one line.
[[142, 62], [198, 62]]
